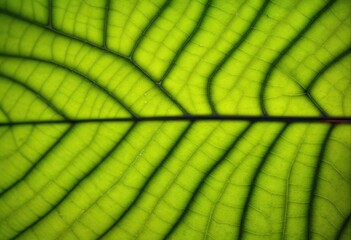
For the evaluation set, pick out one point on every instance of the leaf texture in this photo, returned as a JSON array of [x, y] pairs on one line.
[[172, 119]]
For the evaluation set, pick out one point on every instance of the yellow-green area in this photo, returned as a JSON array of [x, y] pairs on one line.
[[102, 128]]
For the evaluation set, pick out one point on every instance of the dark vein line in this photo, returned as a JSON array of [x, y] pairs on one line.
[[186, 42], [327, 66], [114, 184], [41, 159], [147, 182], [37, 94], [87, 175], [106, 19], [50, 13], [320, 73], [314, 186], [148, 27], [287, 119], [316, 104], [252, 187], [93, 82], [115, 54], [286, 208], [172, 181], [285, 51], [343, 227], [207, 175], [230, 53], [164, 91]]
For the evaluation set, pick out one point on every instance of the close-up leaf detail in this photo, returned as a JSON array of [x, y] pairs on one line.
[[175, 119]]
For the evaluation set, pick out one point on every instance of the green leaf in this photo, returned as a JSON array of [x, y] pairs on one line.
[[161, 119]]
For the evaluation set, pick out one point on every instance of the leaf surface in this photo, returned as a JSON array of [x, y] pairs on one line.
[[161, 119]]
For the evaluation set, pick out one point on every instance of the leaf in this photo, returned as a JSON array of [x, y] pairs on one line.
[[175, 119]]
